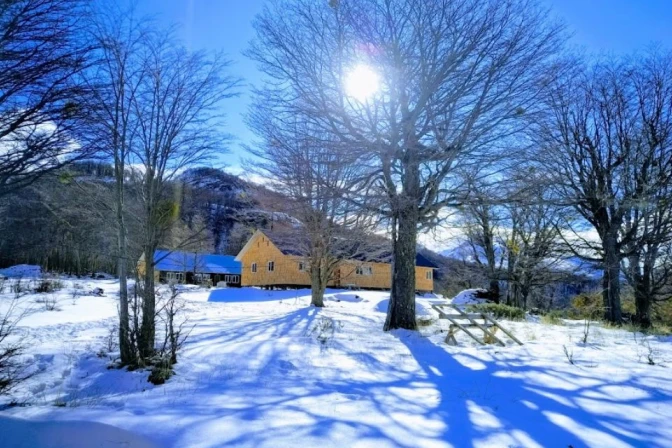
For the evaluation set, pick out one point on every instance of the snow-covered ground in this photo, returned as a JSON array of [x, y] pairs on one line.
[[263, 369]]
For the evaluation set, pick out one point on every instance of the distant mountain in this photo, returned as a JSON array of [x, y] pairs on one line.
[[231, 207]]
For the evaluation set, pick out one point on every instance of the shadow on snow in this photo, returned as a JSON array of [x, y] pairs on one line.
[[241, 376]]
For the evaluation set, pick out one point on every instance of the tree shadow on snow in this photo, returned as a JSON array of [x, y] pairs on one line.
[[249, 381], [515, 404], [255, 295]]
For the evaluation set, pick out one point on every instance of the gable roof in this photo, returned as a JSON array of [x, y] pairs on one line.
[[420, 260], [192, 262], [291, 244]]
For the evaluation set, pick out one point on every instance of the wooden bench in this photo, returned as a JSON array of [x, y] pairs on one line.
[[460, 320]]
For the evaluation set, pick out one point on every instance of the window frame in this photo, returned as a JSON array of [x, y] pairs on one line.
[[173, 276], [362, 270], [270, 266], [429, 275], [253, 267]]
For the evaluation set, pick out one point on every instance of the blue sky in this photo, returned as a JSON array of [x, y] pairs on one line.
[[610, 26]]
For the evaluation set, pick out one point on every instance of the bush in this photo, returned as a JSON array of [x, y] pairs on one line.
[[662, 312], [13, 368], [160, 373], [587, 306], [50, 302], [499, 311], [425, 321], [553, 317], [48, 285]]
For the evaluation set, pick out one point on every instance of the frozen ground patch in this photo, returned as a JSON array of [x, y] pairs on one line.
[[264, 369]]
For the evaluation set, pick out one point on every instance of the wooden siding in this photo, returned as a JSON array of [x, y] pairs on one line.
[[380, 276], [260, 250], [422, 283], [141, 269]]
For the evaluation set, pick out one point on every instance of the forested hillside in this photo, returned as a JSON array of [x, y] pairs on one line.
[[63, 221]]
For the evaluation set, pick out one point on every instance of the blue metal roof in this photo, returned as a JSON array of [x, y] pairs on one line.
[[191, 262]]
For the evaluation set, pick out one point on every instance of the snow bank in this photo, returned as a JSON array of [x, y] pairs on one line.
[[432, 295], [468, 297], [21, 433], [21, 270], [345, 297]]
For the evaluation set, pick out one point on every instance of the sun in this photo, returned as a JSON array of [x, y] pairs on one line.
[[362, 82]]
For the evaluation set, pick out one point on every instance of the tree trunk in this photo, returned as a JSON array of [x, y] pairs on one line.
[[317, 285], [401, 308], [643, 297], [611, 280], [489, 247], [494, 289], [147, 328], [125, 348], [524, 295]]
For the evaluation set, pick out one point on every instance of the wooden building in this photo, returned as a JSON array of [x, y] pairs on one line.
[[194, 268], [274, 263]]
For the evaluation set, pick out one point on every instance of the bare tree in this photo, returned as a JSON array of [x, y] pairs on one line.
[[177, 111], [41, 103], [312, 172], [483, 222], [454, 78], [114, 81], [533, 244], [649, 220], [606, 151]]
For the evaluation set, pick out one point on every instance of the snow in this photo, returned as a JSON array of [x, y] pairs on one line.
[[264, 369], [467, 297], [24, 433]]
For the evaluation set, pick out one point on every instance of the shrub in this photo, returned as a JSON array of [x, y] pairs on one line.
[[553, 317], [48, 285], [425, 321], [19, 287], [50, 302], [13, 366], [662, 312], [499, 311], [587, 306], [160, 373]]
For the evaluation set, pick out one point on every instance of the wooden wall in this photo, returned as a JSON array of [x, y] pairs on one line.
[[422, 283], [380, 278], [141, 269], [261, 250]]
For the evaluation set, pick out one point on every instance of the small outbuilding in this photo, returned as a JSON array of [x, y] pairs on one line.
[[194, 268]]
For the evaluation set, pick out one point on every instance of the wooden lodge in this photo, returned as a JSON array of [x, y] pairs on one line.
[[268, 262], [271, 262]]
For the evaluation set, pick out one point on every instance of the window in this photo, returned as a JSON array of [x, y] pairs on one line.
[[200, 278], [271, 266], [302, 266], [175, 277], [253, 268], [231, 279], [364, 270], [428, 275]]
